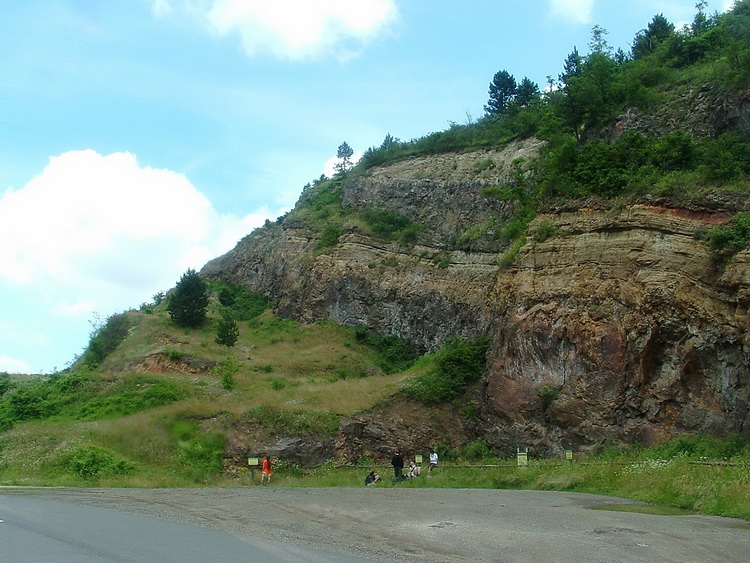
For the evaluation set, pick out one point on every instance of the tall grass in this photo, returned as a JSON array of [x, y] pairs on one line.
[[117, 426]]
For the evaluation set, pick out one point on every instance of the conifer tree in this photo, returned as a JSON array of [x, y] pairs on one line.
[[502, 93], [188, 302], [344, 153], [227, 332], [646, 41], [527, 92]]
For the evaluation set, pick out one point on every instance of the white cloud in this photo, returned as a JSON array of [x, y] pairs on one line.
[[161, 8], [10, 365], [101, 233], [14, 333], [80, 308], [329, 167], [294, 29], [577, 11]]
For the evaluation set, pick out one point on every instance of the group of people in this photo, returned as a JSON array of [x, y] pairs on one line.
[[398, 468], [414, 470]]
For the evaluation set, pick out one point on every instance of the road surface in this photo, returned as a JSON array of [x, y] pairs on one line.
[[350, 524]]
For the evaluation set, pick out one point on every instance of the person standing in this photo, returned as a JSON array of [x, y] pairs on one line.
[[266, 471], [398, 466], [433, 461]]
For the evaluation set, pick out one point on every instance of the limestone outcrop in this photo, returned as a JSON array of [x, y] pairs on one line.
[[611, 324], [621, 328]]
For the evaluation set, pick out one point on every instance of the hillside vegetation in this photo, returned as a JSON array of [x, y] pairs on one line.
[[616, 125], [157, 408], [593, 89]]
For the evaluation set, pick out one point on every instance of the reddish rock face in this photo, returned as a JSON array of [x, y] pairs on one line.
[[628, 318]]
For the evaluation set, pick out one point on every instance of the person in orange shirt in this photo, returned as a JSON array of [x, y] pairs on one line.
[[266, 471]]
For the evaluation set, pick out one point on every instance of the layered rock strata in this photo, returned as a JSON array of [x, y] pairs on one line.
[[609, 325]]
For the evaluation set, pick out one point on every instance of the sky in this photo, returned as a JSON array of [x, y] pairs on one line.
[[140, 138]]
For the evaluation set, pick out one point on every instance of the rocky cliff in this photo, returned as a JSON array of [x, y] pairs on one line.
[[611, 324], [622, 328]]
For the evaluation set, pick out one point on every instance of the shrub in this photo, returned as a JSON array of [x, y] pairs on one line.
[[724, 159], [326, 195], [395, 354], [202, 453], [544, 230], [730, 238], [391, 225], [548, 393], [227, 370], [476, 450], [225, 295], [5, 383], [105, 339], [510, 253], [458, 364], [695, 447], [55, 396], [130, 395], [446, 452], [298, 422], [330, 236], [484, 164], [79, 396], [29, 402], [674, 151], [244, 304], [92, 462], [173, 355], [277, 383]]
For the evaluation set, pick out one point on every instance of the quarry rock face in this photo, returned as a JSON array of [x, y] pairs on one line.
[[611, 324], [621, 328]]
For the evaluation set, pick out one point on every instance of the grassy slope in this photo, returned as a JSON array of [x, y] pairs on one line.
[[296, 376]]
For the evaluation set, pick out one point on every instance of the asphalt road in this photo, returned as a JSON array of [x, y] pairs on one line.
[[37, 530], [345, 524]]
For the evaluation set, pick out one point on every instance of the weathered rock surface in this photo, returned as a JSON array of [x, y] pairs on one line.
[[702, 111], [618, 326], [629, 318], [163, 363]]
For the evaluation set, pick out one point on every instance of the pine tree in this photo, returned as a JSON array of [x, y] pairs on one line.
[[527, 92], [227, 332], [646, 41], [571, 67], [188, 302], [502, 93], [345, 153]]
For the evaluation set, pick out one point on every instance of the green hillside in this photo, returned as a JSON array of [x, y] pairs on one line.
[[157, 408]]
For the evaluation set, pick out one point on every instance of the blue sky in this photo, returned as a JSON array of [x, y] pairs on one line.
[[139, 138]]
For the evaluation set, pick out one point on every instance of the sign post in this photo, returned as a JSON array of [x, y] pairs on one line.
[[253, 463], [569, 453], [523, 456]]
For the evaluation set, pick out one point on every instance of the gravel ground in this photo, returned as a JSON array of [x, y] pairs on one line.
[[436, 525]]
